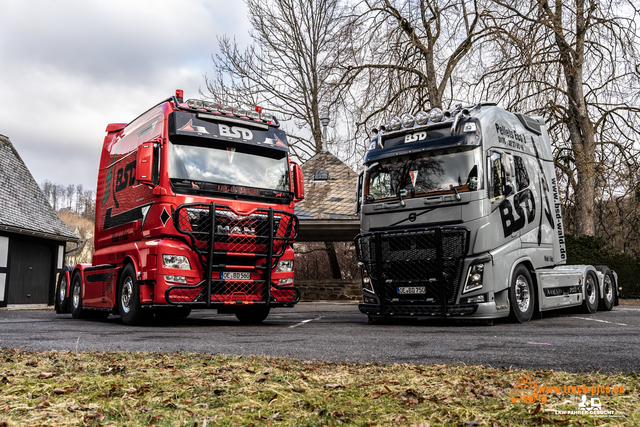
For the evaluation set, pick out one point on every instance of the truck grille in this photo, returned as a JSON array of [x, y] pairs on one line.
[[235, 234], [228, 241], [429, 258]]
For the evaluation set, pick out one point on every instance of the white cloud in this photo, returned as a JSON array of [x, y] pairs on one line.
[[70, 67]]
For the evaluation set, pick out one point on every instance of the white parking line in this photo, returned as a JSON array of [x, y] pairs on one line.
[[598, 320], [305, 321]]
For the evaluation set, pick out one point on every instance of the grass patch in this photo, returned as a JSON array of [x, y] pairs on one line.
[[180, 389]]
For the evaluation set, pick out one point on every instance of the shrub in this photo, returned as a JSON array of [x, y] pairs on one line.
[[594, 251]]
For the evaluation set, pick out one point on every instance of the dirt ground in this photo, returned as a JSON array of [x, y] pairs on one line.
[[630, 302]]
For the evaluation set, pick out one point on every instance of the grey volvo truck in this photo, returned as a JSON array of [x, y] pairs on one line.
[[460, 218]]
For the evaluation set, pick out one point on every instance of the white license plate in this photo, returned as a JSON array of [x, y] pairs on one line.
[[412, 290], [235, 275]]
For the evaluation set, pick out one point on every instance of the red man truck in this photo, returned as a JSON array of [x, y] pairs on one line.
[[194, 209]]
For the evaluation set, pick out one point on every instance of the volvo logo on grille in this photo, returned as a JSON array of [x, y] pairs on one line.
[[226, 230]]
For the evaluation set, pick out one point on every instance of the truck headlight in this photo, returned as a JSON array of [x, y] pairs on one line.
[[176, 261], [474, 280], [285, 266], [366, 281]]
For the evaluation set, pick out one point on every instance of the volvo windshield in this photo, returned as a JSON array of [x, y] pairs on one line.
[[426, 173], [231, 168]]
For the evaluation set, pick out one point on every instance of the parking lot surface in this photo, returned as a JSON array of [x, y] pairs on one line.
[[563, 340]]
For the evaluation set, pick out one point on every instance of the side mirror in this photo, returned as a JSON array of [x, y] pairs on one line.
[[144, 163], [298, 182], [359, 191]]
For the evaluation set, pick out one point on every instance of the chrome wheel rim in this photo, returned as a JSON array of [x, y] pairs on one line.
[[608, 289], [76, 295], [590, 290], [523, 296], [127, 294], [62, 292]]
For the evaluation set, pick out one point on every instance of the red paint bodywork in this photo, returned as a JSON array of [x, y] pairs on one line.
[[142, 241]]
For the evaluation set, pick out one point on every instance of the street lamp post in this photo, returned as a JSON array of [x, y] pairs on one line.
[[324, 120]]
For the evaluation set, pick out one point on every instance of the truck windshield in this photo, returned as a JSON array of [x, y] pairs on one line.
[[230, 166], [426, 173]]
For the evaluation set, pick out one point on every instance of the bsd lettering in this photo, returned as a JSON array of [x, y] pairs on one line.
[[523, 199], [235, 132]]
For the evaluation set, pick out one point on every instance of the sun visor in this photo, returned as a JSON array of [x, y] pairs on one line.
[[420, 146], [224, 128]]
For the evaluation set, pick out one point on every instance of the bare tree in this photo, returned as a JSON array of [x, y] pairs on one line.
[[289, 67], [408, 53], [575, 63]]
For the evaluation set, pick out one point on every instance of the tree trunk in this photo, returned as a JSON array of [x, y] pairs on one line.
[[333, 260]]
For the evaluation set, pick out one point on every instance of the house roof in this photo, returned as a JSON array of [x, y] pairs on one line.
[[23, 207], [327, 212]]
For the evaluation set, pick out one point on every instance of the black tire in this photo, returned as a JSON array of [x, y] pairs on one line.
[[62, 292], [252, 315], [129, 297], [591, 294], [608, 288], [522, 295], [76, 297]]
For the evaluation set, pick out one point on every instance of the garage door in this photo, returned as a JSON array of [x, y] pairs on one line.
[[29, 273]]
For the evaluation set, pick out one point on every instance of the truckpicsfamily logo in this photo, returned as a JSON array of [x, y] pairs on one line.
[[526, 390]]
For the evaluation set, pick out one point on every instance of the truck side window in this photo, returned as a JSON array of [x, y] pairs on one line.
[[501, 176], [522, 177]]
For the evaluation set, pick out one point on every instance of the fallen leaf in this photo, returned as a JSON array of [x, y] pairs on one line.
[[155, 419], [218, 392], [45, 375], [274, 397], [536, 410], [251, 371], [332, 385], [43, 405], [261, 379], [371, 423]]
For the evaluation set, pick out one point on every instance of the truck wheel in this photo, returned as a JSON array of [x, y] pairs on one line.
[[608, 288], [76, 297], [62, 297], [522, 295], [129, 297], [591, 300], [252, 315]]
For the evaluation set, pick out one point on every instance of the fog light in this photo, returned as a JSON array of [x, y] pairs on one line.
[[470, 300], [178, 279], [286, 281]]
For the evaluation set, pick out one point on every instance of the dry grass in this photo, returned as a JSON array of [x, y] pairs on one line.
[[179, 389]]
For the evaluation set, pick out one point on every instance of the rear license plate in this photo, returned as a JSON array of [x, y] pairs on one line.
[[412, 290], [235, 275]]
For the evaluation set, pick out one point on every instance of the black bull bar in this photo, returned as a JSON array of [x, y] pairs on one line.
[[429, 259], [221, 237]]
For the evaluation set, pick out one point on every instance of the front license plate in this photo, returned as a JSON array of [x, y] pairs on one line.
[[235, 275], [412, 290]]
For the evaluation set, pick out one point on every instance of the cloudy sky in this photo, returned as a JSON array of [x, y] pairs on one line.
[[70, 67]]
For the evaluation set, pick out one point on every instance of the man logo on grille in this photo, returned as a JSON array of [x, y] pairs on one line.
[[226, 230]]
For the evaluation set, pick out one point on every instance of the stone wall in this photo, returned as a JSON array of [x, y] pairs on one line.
[[329, 289]]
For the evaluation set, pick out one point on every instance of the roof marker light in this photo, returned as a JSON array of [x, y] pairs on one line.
[[195, 103], [408, 121], [435, 115], [422, 117], [395, 124], [225, 109]]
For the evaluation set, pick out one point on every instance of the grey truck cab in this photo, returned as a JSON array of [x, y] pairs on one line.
[[460, 217]]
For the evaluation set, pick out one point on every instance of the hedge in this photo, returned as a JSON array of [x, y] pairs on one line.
[[594, 251]]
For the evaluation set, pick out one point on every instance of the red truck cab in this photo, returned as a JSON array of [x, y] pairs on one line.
[[194, 209]]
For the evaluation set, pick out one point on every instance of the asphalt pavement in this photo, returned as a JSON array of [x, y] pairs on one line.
[[563, 340]]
